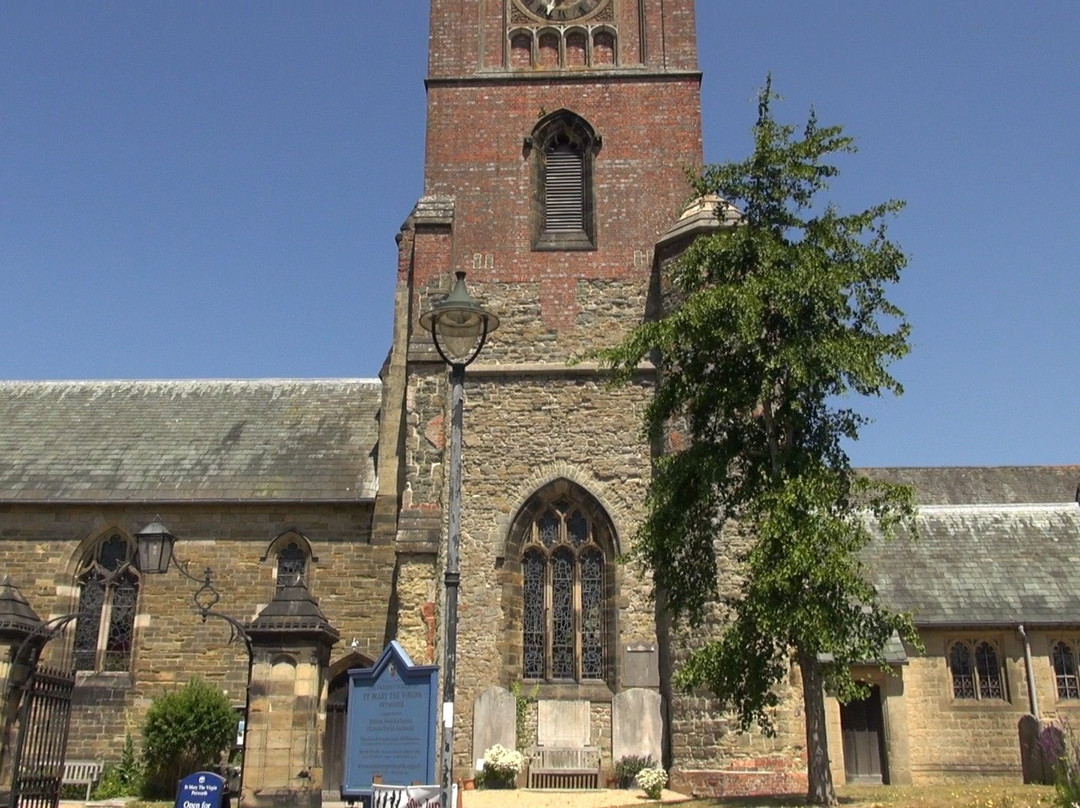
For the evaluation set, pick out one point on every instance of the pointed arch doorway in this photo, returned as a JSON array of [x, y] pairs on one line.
[[337, 706]]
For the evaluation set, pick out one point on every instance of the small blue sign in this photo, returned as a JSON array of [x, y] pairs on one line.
[[200, 790], [390, 724]]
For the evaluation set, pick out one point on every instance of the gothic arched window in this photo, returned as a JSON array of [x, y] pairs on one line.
[[291, 564], [564, 145], [1063, 657], [976, 671], [566, 589], [108, 596]]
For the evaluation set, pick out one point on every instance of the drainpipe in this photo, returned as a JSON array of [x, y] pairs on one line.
[[1033, 697]]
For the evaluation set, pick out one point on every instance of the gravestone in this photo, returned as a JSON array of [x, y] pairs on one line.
[[640, 665], [201, 790], [494, 721], [390, 729], [636, 724], [563, 723]]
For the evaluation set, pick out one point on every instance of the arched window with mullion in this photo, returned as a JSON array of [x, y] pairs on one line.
[[566, 595], [975, 668], [108, 600]]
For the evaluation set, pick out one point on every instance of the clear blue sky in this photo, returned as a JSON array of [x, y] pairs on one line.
[[206, 189]]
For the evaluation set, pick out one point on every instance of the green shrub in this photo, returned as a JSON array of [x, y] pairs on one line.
[[186, 731], [123, 779], [626, 769]]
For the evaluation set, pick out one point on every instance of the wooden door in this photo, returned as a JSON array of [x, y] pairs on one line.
[[864, 740], [334, 739]]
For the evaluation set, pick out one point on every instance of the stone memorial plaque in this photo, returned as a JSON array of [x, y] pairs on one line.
[[200, 790], [390, 724]]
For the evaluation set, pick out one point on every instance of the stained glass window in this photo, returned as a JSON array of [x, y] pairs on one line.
[[592, 615], [562, 617], [564, 631], [534, 573], [1064, 660], [108, 599], [291, 564], [549, 529], [963, 673], [986, 665], [976, 671]]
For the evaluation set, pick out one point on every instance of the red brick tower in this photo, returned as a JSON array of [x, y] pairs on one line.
[[558, 136]]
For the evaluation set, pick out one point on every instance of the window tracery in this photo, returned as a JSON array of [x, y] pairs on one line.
[[566, 591], [108, 599], [291, 564], [975, 668]]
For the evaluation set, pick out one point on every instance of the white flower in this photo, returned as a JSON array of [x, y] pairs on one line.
[[652, 781], [503, 761]]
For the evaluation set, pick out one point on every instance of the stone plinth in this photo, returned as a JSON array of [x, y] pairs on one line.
[[290, 656]]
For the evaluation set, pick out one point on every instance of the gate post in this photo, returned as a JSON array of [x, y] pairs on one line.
[[290, 658], [17, 622]]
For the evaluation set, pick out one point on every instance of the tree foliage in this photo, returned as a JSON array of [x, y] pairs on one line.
[[774, 325], [184, 732]]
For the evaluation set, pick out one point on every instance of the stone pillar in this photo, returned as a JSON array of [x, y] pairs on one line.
[[17, 622], [290, 657]]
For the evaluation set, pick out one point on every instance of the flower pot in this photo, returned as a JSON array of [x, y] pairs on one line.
[[469, 784]]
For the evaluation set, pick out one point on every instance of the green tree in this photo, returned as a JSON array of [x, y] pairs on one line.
[[186, 731], [775, 324]]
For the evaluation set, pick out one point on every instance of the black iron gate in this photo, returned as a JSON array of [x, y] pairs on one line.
[[44, 717]]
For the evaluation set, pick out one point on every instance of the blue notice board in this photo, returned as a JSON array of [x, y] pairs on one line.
[[390, 725], [200, 790]]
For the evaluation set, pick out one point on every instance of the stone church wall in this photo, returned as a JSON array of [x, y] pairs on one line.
[[960, 738], [710, 755], [40, 547]]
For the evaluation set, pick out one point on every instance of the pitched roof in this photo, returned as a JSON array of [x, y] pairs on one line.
[[1003, 548], [986, 485], [179, 441]]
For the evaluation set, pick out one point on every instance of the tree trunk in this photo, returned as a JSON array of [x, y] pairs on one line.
[[818, 774]]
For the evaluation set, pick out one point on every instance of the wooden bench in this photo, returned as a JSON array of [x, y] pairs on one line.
[[82, 773], [564, 767]]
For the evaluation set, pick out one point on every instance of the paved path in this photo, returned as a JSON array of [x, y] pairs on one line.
[[526, 798], [510, 798]]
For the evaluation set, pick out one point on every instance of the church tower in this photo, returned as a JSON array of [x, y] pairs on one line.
[[559, 133]]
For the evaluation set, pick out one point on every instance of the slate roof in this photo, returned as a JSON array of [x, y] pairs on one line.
[[986, 485], [996, 546], [184, 441]]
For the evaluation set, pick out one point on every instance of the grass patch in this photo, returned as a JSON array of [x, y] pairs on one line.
[[958, 795]]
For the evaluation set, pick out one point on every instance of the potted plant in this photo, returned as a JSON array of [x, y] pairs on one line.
[[501, 767]]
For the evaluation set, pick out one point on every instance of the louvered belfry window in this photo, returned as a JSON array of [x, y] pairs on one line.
[[564, 190], [563, 155]]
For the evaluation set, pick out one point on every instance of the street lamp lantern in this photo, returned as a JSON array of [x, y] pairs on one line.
[[460, 327], [155, 544]]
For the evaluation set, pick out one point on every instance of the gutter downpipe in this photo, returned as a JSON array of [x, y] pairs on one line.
[[1033, 697]]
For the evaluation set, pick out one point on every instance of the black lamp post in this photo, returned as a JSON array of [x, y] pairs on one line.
[[459, 326]]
